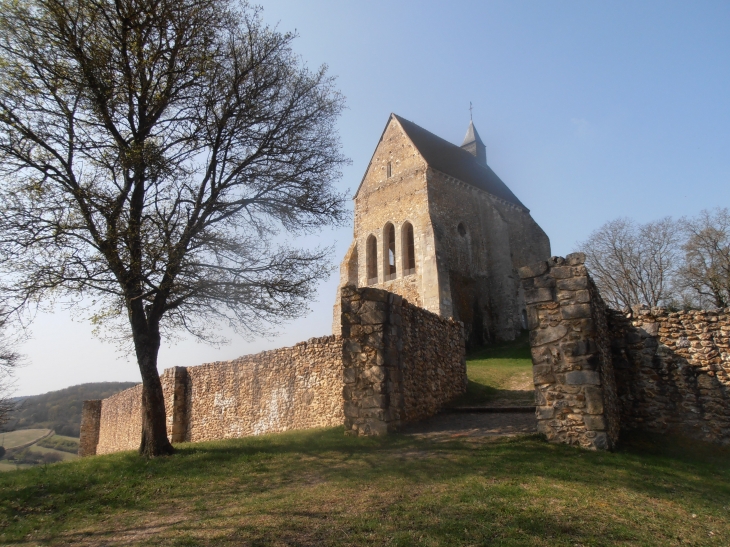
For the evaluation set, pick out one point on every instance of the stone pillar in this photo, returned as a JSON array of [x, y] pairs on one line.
[[573, 373], [90, 424], [175, 389], [364, 315]]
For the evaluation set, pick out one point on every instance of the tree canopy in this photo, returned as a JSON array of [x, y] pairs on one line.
[[682, 263], [150, 150]]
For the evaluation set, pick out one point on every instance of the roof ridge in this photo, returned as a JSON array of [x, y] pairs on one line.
[[456, 162]]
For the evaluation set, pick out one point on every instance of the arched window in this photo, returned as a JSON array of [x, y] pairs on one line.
[[409, 249], [389, 252], [372, 260]]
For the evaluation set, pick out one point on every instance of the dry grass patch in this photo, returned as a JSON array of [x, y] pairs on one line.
[[322, 488]]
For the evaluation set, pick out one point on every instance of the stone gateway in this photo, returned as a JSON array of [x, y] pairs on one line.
[[435, 224]]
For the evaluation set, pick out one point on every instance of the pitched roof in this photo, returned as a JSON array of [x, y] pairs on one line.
[[456, 162]]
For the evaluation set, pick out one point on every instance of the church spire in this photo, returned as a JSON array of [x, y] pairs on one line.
[[474, 145]]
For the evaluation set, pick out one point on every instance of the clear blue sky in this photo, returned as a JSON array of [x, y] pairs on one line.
[[589, 110]]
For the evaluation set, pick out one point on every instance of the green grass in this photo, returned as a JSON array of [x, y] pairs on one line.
[[319, 487], [499, 375], [62, 448], [38, 449], [21, 437], [61, 443]]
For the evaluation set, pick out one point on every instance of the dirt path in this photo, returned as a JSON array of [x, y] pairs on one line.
[[477, 424]]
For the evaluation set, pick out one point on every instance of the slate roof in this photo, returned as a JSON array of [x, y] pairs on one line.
[[472, 135], [460, 164]]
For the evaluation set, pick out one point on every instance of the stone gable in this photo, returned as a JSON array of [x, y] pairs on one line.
[[467, 241]]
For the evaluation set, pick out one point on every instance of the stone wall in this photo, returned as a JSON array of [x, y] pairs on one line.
[[288, 388], [480, 242], [298, 387], [407, 363], [598, 371], [90, 422], [401, 362], [673, 371], [121, 421], [572, 368]]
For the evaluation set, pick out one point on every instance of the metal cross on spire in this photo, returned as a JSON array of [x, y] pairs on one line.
[[470, 114]]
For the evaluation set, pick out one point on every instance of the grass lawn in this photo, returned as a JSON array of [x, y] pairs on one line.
[[500, 375], [319, 487], [67, 456], [21, 437]]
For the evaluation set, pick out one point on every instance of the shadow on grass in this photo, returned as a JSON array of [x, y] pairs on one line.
[[280, 469], [478, 394], [518, 348]]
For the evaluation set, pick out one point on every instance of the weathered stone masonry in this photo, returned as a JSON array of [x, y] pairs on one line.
[[673, 371], [573, 374], [597, 370], [397, 363], [401, 362]]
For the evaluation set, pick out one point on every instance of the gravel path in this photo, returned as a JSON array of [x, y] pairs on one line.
[[477, 424]]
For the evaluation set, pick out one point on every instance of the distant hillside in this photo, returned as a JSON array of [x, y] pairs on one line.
[[60, 410]]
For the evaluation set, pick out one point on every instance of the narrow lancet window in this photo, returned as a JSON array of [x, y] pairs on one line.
[[409, 250], [388, 170], [390, 269], [372, 260]]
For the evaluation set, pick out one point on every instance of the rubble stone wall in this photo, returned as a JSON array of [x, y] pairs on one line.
[[401, 362], [395, 363], [298, 387], [673, 371], [90, 422], [572, 369], [120, 424], [598, 371]]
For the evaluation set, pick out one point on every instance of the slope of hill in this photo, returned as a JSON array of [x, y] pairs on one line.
[[319, 487], [60, 410]]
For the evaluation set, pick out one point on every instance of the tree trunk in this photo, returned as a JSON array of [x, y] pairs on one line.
[[154, 423]]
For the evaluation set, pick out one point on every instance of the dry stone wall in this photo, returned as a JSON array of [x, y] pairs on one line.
[[573, 373], [407, 364], [298, 387], [673, 371], [90, 422], [401, 362], [598, 371], [121, 421]]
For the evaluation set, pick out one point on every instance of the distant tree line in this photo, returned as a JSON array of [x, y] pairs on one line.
[[59, 410], [676, 263]]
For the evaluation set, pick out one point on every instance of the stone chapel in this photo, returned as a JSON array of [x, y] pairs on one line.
[[435, 224]]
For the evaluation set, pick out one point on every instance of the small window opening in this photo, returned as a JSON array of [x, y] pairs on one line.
[[409, 250], [372, 260], [388, 170], [461, 229], [390, 269]]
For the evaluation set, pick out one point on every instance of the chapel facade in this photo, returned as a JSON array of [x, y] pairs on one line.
[[434, 224]]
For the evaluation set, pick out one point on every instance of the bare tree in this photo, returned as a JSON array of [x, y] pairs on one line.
[[9, 361], [150, 150], [705, 271], [634, 264]]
